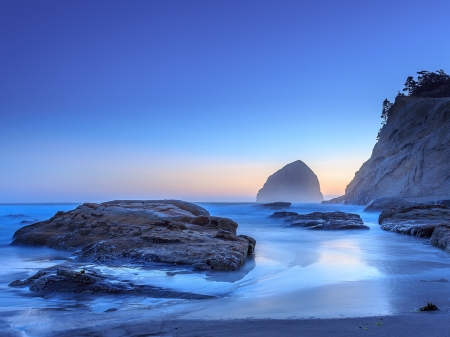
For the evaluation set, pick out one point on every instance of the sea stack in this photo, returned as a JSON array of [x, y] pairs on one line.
[[295, 182]]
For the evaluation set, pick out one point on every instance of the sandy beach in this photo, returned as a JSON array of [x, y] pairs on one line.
[[418, 324]]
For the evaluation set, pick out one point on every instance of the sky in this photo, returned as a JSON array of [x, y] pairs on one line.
[[199, 100]]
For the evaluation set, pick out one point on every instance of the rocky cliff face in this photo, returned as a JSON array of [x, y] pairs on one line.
[[411, 158], [295, 182]]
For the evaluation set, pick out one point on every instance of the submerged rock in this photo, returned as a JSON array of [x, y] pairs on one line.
[[295, 182], [385, 203], [283, 214], [139, 232], [323, 220], [277, 204], [418, 220], [66, 278]]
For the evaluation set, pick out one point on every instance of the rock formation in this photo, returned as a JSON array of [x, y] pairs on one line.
[[68, 278], [295, 182], [141, 232], [430, 221], [419, 220], [411, 158], [322, 220]]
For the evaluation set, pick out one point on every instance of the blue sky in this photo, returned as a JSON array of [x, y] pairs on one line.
[[199, 100]]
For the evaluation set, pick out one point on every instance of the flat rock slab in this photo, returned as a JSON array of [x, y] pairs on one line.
[[322, 220], [418, 220], [142, 232], [430, 221]]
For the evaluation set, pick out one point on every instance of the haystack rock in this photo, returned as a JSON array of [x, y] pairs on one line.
[[411, 159], [295, 182]]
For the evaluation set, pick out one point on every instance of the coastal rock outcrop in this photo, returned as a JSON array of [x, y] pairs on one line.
[[411, 158], [419, 220], [141, 232], [295, 182], [322, 220]]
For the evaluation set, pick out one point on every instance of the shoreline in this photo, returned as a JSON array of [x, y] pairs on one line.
[[414, 324]]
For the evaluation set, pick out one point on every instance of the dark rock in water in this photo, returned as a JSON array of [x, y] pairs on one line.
[[328, 221], [385, 203], [295, 182], [418, 220], [283, 214], [429, 307], [278, 204], [64, 278], [411, 158], [322, 220], [166, 231]]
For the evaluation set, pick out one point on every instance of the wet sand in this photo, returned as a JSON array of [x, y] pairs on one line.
[[416, 324]]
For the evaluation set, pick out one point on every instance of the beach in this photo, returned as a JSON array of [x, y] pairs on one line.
[[319, 283], [113, 325]]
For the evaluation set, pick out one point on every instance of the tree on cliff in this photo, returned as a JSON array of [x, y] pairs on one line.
[[427, 81], [387, 105], [428, 84], [385, 110]]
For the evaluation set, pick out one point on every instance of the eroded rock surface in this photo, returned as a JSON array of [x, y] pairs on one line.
[[322, 220], [140, 232], [418, 220]]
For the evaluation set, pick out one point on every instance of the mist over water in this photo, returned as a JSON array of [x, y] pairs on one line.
[[295, 272]]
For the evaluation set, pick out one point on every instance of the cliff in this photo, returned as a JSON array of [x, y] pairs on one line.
[[295, 182], [411, 158]]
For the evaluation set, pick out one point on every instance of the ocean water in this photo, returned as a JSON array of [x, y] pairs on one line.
[[295, 272]]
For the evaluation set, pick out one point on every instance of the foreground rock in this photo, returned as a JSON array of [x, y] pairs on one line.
[[419, 220], [411, 158], [65, 278], [295, 182], [323, 220], [382, 204], [143, 232]]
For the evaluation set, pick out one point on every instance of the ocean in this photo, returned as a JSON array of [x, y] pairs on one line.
[[295, 272]]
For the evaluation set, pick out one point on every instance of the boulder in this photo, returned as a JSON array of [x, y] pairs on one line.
[[385, 203], [418, 220], [323, 220], [139, 232], [295, 182]]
